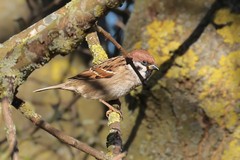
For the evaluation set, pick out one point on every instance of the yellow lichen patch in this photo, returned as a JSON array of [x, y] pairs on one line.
[[215, 109], [236, 133], [186, 63], [99, 55], [221, 90], [205, 71], [231, 118], [138, 45], [233, 150], [28, 110], [232, 22], [161, 38], [162, 41], [113, 118]]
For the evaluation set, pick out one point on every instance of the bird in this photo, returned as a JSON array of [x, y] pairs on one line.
[[111, 79]]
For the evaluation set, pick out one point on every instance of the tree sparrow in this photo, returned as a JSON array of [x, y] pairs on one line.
[[112, 78]]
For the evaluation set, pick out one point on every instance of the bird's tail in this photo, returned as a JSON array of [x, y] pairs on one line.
[[59, 86]]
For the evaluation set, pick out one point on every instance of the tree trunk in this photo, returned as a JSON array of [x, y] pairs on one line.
[[191, 110]]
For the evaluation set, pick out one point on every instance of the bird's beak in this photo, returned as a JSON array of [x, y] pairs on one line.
[[152, 67]]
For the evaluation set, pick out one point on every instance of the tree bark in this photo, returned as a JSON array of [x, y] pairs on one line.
[[58, 33], [190, 110]]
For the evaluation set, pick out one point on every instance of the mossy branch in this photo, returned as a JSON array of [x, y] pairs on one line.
[[6, 99], [99, 54], [58, 33], [10, 129], [114, 140]]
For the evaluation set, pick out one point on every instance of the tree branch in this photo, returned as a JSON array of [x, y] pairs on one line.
[[114, 140], [110, 38], [27, 111], [10, 129], [58, 33], [99, 55], [6, 99]]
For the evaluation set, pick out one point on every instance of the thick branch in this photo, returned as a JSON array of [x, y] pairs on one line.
[[59, 33]]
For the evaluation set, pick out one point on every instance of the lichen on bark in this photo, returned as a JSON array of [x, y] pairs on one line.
[[59, 33], [195, 105]]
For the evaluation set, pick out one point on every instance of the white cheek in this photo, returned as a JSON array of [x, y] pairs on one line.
[[142, 70]]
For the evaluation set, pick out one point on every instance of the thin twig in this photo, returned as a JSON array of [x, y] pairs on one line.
[[27, 111], [110, 38], [10, 129], [124, 52], [59, 113]]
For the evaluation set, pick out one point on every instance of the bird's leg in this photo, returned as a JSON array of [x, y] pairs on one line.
[[111, 108]]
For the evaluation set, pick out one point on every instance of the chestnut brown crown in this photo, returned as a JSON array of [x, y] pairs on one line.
[[141, 55]]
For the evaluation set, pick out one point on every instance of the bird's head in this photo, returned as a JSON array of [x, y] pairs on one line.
[[143, 62]]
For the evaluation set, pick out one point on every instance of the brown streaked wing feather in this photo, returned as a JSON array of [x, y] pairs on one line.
[[104, 70], [88, 74]]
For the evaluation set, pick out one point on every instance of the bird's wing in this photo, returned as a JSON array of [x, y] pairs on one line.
[[105, 69]]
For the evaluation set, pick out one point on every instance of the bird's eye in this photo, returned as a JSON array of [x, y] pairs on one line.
[[144, 63]]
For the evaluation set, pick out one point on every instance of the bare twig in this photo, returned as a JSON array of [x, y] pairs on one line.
[[109, 37], [10, 129], [124, 52], [59, 114], [27, 111]]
